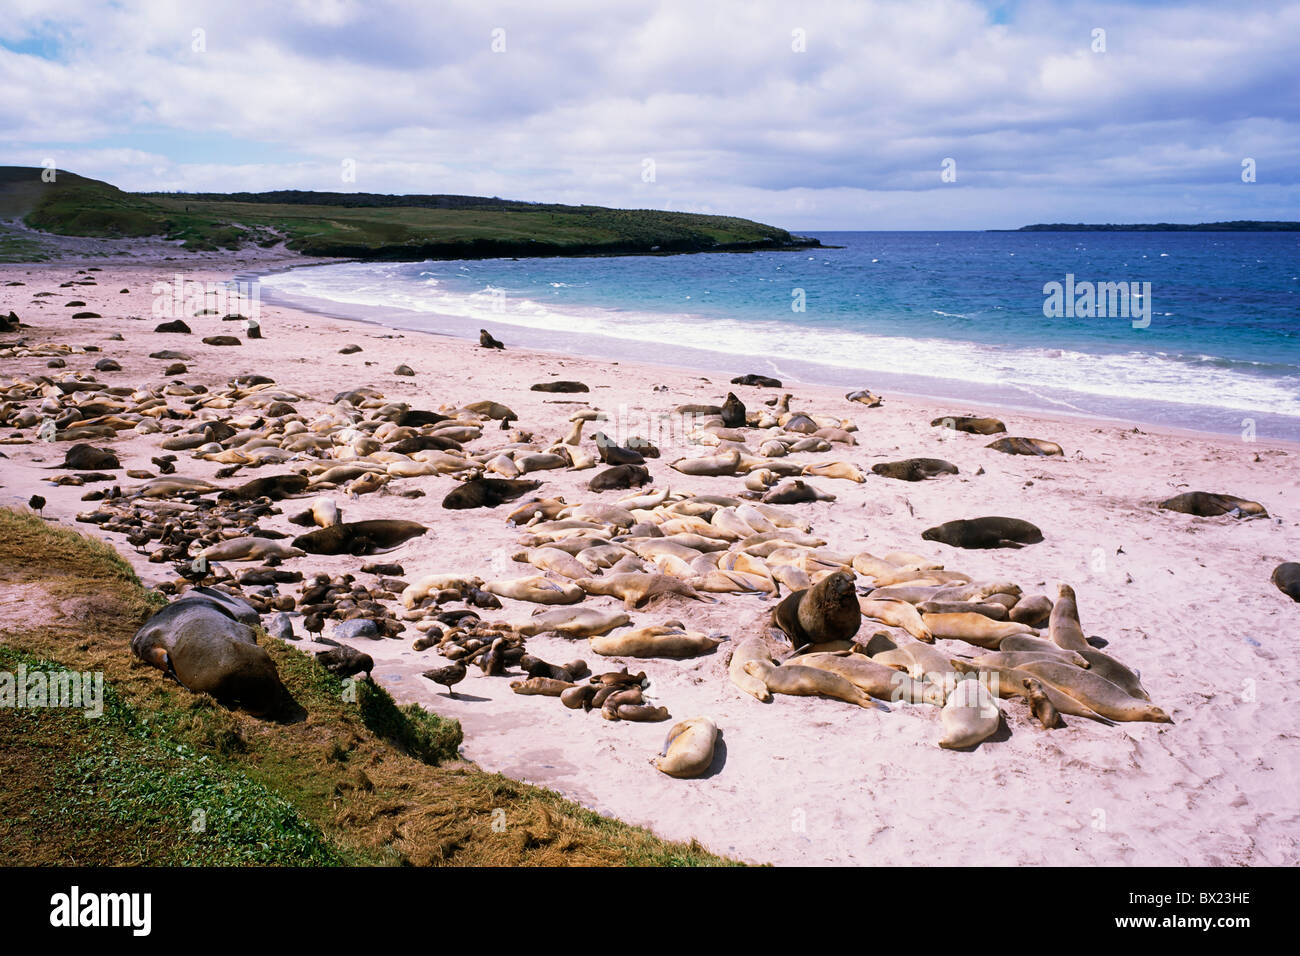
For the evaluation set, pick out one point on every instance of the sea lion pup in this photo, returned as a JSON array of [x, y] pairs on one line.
[[984, 533], [485, 340], [966, 423], [914, 469], [1205, 504], [799, 681], [750, 649], [835, 469], [656, 640], [1063, 625], [713, 466], [250, 549], [1094, 692], [1040, 705], [881, 682], [538, 589], [1026, 446], [897, 614], [970, 715], [345, 662], [1032, 609], [360, 537], [620, 477], [973, 628], [828, 611], [573, 622], [866, 396], [486, 493], [688, 749], [1286, 577], [636, 589], [795, 492], [199, 640]]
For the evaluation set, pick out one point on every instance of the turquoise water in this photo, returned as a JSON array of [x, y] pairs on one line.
[[950, 314]]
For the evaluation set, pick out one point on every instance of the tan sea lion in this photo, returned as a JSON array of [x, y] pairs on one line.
[[1205, 504], [656, 640], [1026, 446], [1040, 705], [1103, 665], [973, 628], [540, 687], [881, 682], [1063, 624], [897, 614], [750, 649], [1095, 692], [538, 589], [250, 549], [1032, 609], [636, 589], [573, 622], [800, 681], [688, 749], [966, 423], [970, 715], [1010, 682]]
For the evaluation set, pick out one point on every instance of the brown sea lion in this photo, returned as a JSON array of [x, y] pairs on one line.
[[1095, 692], [560, 386], [201, 640], [1063, 623], [733, 412], [275, 487], [89, 458], [1032, 609], [620, 477], [1205, 504], [1026, 446], [828, 611], [983, 533], [1040, 705], [359, 537], [966, 423], [485, 340], [757, 381], [486, 493], [795, 492], [914, 469]]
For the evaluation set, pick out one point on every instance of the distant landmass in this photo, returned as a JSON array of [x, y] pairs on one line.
[[372, 226], [1237, 225]]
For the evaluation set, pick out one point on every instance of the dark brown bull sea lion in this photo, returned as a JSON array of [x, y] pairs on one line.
[[620, 477], [1205, 504], [828, 611], [914, 469], [980, 533], [758, 381], [486, 340], [966, 423], [486, 493], [359, 537], [204, 640], [1026, 446]]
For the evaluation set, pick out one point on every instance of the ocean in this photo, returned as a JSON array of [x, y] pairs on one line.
[[1212, 344]]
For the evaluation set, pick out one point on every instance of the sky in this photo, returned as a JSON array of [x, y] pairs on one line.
[[822, 115]]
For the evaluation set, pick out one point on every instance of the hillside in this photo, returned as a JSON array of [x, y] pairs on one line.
[[370, 226]]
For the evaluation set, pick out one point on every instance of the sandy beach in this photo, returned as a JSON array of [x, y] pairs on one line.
[[1184, 600]]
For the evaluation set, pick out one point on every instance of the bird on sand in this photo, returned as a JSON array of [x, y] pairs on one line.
[[447, 676]]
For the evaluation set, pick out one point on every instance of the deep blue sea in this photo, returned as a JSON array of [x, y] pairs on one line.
[[958, 315]]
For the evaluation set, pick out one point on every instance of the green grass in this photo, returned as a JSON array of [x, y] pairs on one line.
[[368, 225]]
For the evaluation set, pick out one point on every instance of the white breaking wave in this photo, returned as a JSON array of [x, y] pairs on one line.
[[1133, 375]]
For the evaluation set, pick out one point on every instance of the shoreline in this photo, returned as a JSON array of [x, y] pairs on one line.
[[1187, 601], [380, 316]]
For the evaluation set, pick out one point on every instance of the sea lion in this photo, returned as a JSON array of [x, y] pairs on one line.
[[973, 628], [835, 469], [620, 477], [991, 610], [1017, 643], [897, 614], [713, 466], [750, 649], [984, 533], [359, 537], [1040, 705], [82, 457], [1095, 692], [537, 589], [800, 681], [573, 622], [1205, 504], [881, 682], [635, 589], [688, 750], [970, 715], [540, 687], [1026, 446], [1013, 659], [559, 386], [758, 381], [486, 493], [915, 469], [250, 548], [1103, 665], [795, 492], [199, 640], [275, 487], [1032, 609], [1010, 682], [966, 423], [485, 340], [1063, 625], [828, 611], [1286, 577], [657, 640], [866, 396], [733, 412]]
